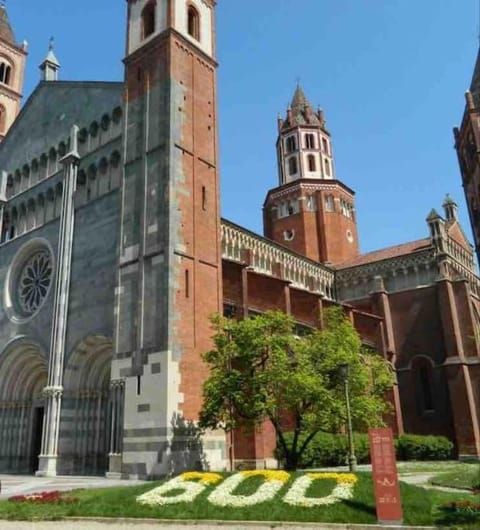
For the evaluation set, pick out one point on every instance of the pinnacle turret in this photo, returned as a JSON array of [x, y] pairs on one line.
[[50, 65], [301, 111]]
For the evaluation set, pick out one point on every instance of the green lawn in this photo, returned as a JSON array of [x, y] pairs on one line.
[[466, 477], [419, 506], [454, 466]]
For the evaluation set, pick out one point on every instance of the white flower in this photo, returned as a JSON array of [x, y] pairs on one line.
[[222, 495], [156, 497], [296, 495]]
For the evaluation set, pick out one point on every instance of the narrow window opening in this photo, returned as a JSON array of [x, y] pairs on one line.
[[187, 284], [12, 232], [329, 206], [310, 141], [204, 198], [8, 71], [292, 166], [328, 171], [426, 389], [325, 145], [193, 23], [291, 144], [312, 166], [148, 19], [139, 385]]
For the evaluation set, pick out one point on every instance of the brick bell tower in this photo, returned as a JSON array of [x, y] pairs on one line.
[[311, 212], [12, 67], [467, 145], [169, 279]]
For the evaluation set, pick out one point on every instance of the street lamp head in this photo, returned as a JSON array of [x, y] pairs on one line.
[[344, 370]]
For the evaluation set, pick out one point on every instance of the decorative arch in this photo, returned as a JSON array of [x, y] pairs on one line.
[[23, 371], [87, 386], [23, 376]]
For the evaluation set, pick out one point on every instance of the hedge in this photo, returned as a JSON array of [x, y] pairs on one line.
[[416, 447], [329, 450]]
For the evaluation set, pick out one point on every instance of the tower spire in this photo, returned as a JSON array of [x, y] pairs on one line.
[[50, 65]]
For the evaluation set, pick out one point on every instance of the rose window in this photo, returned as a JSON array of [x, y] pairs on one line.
[[34, 282]]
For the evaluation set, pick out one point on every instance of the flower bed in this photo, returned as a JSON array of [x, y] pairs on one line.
[[45, 497], [297, 494], [188, 486]]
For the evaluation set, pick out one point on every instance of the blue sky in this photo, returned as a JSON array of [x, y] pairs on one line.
[[390, 75]]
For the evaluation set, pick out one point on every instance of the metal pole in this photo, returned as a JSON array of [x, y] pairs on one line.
[[352, 459]]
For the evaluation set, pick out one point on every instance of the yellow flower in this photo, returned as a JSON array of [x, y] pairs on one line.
[[341, 478], [268, 475], [204, 478]]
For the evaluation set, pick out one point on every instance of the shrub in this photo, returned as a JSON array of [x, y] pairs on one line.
[[459, 512], [331, 450], [328, 450], [416, 447]]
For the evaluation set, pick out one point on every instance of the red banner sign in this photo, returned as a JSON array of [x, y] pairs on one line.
[[385, 477]]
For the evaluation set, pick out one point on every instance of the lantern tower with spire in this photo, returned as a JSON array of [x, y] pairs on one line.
[[310, 212]]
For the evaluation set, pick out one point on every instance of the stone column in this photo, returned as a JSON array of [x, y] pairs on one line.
[[3, 201], [53, 392], [117, 392]]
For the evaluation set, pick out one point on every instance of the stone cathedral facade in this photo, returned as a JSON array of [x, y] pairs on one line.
[[101, 373]]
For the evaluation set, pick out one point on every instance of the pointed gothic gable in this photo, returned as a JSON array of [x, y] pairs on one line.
[[455, 231], [49, 114]]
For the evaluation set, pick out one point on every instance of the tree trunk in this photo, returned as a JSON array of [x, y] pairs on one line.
[[291, 461]]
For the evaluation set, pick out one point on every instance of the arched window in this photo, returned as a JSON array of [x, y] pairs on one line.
[[292, 166], [329, 204], [193, 23], [325, 146], [3, 119], [291, 144], [148, 19], [328, 171], [425, 383], [310, 141], [312, 166], [5, 72]]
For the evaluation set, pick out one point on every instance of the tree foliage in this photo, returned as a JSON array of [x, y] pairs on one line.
[[260, 369]]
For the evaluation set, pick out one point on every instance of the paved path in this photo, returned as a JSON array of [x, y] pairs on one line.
[[22, 484]]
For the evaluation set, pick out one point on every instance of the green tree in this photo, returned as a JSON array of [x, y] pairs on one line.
[[260, 369]]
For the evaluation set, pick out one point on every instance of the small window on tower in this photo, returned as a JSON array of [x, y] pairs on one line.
[[5, 73], [291, 144], [292, 166], [329, 206], [312, 166], [328, 170], [193, 23], [325, 145], [310, 141], [148, 19]]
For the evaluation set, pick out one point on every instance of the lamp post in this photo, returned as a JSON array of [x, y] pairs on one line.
[[352, 459]]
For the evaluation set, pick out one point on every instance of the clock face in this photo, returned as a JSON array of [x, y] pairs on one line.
[[349, 236]]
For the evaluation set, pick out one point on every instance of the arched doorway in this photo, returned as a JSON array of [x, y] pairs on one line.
[[86, 399], [23, 376]]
